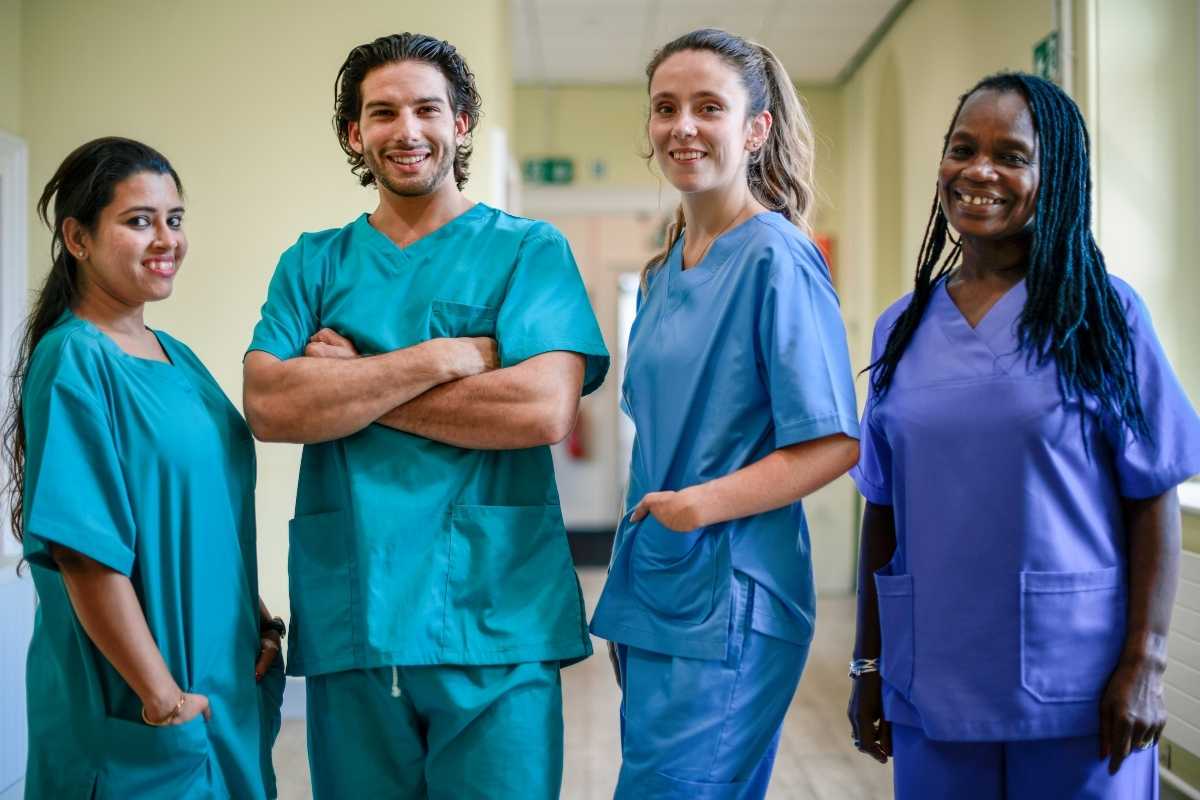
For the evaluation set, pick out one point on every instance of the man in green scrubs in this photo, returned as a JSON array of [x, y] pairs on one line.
[[426, 355]]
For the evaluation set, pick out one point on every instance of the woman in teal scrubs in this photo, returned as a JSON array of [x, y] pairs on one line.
[[133, 493], [739, 384]]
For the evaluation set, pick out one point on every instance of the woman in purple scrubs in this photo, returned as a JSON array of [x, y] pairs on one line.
[[1021, 445]]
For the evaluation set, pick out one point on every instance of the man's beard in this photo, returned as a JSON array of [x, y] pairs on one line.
[[409, 189]]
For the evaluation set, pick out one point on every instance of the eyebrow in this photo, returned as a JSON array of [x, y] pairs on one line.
[[705, 95], [420, 101], [149, 209]]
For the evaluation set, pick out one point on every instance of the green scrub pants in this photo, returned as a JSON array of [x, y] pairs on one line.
[[437, 733]]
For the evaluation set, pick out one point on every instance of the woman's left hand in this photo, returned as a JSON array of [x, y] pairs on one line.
[[1132, 712], [678, 511], [270, 646]]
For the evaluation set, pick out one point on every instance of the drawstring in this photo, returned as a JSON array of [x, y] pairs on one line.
[[395, 682]]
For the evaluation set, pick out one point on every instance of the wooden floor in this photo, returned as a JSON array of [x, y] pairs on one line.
[[815, 758]]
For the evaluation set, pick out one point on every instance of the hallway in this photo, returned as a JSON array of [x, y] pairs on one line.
[[815, 760]]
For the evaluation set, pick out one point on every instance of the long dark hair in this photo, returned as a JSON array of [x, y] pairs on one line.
[[82, 187], [780, 172], [1072, 314], [347, 91]]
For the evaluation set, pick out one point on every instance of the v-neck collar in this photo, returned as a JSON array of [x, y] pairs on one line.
[[996, 332], [414, 251]]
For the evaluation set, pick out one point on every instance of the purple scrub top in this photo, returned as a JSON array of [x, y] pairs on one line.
[[1003, 610]]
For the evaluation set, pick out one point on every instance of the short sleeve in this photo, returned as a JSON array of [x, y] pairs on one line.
[[290, 314], [873, 473], [74, 486], [1147, 467], [546, 308], [802, 344]]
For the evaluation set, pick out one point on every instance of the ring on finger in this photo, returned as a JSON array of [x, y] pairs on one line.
[[1144, 745]]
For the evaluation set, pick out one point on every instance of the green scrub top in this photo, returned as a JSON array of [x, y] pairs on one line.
[[407, 551], [147, 468]]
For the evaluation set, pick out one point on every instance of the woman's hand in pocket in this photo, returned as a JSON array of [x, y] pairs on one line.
[[678, 511]]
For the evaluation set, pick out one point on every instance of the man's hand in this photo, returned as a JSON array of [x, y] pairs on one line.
[[328, 343], [463, 356]]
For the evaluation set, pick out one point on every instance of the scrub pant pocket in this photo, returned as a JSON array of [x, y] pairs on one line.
[[695, 729], [1036, 769]]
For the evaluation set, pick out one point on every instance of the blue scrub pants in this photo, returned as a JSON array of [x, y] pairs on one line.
[[437, 733], [1037, 769], [694, 729]]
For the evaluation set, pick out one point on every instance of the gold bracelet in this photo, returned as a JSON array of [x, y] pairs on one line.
[[167, 720]]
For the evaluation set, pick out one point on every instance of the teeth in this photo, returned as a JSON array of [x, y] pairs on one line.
[[691, 155], [408, 159], [972, 200]]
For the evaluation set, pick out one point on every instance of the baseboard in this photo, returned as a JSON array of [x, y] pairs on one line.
[[591, 547]]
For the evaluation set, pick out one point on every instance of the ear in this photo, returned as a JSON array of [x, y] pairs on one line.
[[354, 136], [758, 131], [462, 124], [75, 237]]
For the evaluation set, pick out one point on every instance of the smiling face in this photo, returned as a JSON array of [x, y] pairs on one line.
[[137, 244], [407, 131], [988, 180], [699, 127]]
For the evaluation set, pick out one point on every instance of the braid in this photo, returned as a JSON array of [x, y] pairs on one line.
[[1072, 313]]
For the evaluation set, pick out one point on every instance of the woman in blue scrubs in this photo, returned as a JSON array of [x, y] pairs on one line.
[[1022, 441], [739, 384], [133, 492]]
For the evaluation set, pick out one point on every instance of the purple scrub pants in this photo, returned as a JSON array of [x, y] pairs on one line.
[[1036, 769], [694, 729]]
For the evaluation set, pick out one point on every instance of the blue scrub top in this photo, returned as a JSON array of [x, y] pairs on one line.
[[1003, 611], [148, 469], [407, 551], [738, 356]]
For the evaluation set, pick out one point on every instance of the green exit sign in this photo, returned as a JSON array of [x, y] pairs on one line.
[[1046, 58], [548, 171]]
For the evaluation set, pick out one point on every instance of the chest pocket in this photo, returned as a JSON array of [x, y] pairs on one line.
[[460, 319]]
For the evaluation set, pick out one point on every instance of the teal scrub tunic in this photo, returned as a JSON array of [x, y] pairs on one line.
[[147, 468], [404, 550]]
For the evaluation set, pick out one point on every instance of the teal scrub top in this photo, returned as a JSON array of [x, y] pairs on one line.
[[146, 468], [407, 551]]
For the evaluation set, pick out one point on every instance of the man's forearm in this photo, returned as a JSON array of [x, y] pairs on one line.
[[527, 405], [307, 400]]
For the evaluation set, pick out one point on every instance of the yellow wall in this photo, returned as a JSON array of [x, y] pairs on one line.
[[1146, 139], [896, 108], [10, 65], [239, 97]]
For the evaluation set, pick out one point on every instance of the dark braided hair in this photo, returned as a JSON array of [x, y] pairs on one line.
[[1072, 313]]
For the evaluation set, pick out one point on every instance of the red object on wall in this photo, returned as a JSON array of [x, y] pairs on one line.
[[825, 244], [577, 439]]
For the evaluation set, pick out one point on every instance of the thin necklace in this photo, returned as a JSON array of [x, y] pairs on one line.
[[728, 225]]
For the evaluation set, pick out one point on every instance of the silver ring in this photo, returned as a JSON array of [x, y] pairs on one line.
[[1144, 745]]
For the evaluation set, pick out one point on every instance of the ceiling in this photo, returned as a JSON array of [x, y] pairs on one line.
[[610, 41]]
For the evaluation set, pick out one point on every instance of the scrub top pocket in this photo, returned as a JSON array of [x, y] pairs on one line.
[[449, 319], [673, 573], [895, 593], [492, 550], [144, 761], [1072, 631]]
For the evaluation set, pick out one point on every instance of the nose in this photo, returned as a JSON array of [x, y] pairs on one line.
[[980, 169], [165, 237], [405, 129], [684, 128]]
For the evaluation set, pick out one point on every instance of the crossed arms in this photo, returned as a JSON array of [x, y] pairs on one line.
[[450, 390]]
